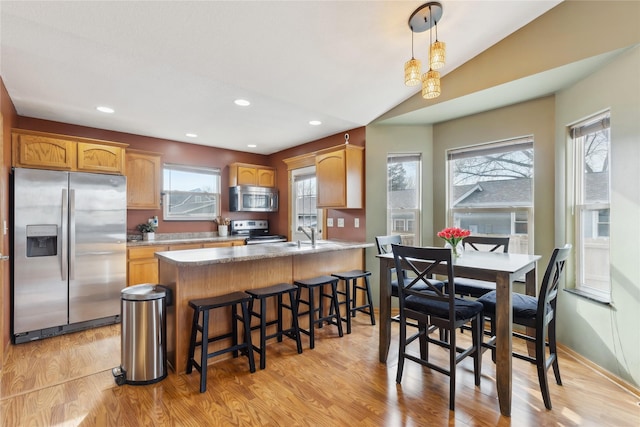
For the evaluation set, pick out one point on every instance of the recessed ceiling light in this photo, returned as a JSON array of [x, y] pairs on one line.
[[104, 109], [252, 145], [242, 102], [191, 135], [315, 122]]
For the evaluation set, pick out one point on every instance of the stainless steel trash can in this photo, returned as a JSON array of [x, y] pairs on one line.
[[144, 334]]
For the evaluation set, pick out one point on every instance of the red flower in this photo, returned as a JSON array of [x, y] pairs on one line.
[[454, 235]]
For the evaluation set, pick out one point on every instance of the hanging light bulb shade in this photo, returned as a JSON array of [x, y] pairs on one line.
[[412, 72], [412, 68], [431, 84], [437, 55]]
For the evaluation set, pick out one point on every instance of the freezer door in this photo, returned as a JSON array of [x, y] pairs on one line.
[[39, 264], [97, 250]]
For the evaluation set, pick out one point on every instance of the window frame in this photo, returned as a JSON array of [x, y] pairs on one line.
[[508, 145], [411, 219], [167, 192], [587, 211]]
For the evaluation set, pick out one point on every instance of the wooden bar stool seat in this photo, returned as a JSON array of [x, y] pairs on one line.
[[319, 283], [262, 295], [350, 301], [204, 306]]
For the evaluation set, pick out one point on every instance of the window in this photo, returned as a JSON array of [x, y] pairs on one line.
[[304, 210], [592, 152], [491, 190], [403, 197], [190, 193]]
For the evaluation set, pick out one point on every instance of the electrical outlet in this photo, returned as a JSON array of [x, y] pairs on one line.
[[340, 222], [329, 222], [356, 222]]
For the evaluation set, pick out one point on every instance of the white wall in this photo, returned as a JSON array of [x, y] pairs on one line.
[[608, 335]]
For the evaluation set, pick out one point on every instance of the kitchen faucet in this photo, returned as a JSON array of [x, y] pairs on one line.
[[312, 237]]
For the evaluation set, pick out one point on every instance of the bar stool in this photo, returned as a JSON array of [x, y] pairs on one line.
[[332, 318], [351, 287], [262, 295], [204, 306]]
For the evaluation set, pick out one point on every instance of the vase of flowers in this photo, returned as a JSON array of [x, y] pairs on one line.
[[148, 230], [453, 236]]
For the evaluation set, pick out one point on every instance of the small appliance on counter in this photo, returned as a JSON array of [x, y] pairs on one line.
[[256, 231]]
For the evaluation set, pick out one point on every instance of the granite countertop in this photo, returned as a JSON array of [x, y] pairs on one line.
[[179, 238], [199, 257]]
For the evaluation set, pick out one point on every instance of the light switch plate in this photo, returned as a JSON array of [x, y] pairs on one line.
[[356, 222], [329, 222], [340, 222]]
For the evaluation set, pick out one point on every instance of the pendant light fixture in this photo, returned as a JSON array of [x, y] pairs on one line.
[[412, 69], [425, 18], [437, 51]]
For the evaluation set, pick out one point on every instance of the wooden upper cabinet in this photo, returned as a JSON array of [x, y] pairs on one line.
[[247, 174], [100, 158], [144, 178], [339, 177], [41, 150]]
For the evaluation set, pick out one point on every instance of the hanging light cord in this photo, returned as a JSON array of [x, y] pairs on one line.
[[430, 38], [411, 42]]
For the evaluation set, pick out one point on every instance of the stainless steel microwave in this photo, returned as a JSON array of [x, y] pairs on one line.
[[247, 198]]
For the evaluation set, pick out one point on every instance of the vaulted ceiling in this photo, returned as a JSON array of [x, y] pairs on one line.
[[172, 68]]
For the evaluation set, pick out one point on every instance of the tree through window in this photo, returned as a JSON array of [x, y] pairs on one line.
[[491, 190], [404, 197]]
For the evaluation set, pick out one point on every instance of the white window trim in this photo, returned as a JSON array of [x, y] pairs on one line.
[[577, 134]]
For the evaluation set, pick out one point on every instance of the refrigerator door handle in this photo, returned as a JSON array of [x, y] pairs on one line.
[[63, 235], [72, 234]]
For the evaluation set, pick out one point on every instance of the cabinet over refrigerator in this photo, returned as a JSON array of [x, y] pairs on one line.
[[69, 251]]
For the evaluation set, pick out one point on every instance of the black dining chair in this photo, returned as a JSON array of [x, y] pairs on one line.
[[472, 287], [538, 313], [383, 244], [434, 308]]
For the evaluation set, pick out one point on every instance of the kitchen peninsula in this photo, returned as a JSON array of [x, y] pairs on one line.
[[201, 273]]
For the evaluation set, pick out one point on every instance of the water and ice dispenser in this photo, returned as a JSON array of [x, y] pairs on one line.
[[42, 240]]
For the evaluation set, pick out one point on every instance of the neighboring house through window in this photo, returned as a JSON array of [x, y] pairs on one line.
[[490, 190], [191, 193], [304, 208], [404, 197], [591, 177]]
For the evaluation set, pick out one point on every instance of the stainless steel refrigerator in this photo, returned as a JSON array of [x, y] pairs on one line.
[[69, 251]]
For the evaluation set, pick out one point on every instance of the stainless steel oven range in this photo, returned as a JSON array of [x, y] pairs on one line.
[[256, 231]]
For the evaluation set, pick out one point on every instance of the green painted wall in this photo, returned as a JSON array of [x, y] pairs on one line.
[[608, 335], [381, 141]]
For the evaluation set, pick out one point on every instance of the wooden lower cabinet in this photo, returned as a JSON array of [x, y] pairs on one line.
[[142, 265]]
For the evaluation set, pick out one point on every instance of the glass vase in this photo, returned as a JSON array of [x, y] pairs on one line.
[[457, 251]]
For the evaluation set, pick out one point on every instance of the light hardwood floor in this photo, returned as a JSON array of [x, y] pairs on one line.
[[67, 381]]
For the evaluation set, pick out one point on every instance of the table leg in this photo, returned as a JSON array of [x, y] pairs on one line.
[[504, 323], [385, 309]]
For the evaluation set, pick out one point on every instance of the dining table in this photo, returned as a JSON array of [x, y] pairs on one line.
[[501, 268]]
